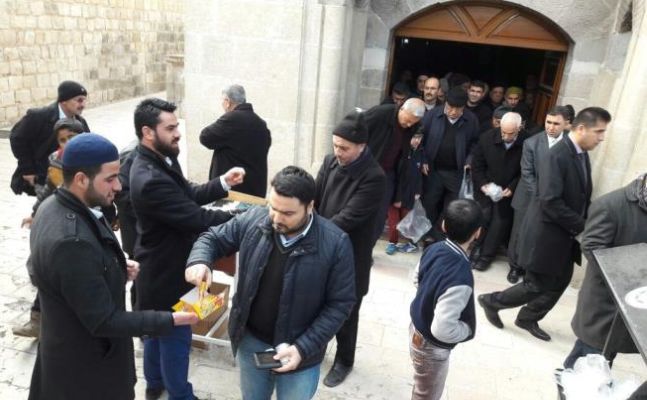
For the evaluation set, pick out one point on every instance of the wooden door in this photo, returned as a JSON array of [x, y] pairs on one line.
[[549, 82], [482, 22]]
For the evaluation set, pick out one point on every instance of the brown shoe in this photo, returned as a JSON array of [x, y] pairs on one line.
[[30, 328]]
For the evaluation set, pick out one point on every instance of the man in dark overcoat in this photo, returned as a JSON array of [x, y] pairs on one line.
[[239, 138], [169, 219], [389, 131], [347, 186], [496, 160], [618, 218], [86, 347], [33, 140], [535, 148], [450, 135], [549, 248]]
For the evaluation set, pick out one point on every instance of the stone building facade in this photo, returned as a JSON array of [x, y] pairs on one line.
[[116, 48], [305, 63]]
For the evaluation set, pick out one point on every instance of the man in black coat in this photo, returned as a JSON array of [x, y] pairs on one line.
[[618, 218], [389, 131], [33, 140], [496, 161], [552, 222], [169, 219], [347, 185], [86, 348], [450, 135], [535, 149], [239, 138], [475, 102]]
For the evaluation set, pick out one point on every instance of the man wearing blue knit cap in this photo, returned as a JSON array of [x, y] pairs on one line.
[[86, 348]]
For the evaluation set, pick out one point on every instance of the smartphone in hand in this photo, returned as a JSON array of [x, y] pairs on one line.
[[265, 359]]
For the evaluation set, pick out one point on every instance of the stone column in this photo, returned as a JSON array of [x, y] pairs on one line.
[[623, 155]]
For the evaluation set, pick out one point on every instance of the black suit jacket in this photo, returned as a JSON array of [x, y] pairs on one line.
[[240, 138], [169, 220], [434, 123], [558, 213], [32, 141]]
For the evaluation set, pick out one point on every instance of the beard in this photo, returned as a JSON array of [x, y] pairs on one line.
[[95, 199], [285, 230], [165, 148]]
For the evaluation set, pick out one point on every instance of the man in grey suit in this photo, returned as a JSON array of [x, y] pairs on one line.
[[534, 150], [552, 222]]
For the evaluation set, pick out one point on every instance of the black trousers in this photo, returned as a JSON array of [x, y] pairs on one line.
[[347, 337], [497, 231], [387, 200], [513, 244], [440, 188], [538, 294]]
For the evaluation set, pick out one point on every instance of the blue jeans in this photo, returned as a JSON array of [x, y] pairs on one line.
[[166, 363], [258, 384]]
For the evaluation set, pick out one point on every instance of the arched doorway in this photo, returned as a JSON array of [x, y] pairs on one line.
[[495, 42]]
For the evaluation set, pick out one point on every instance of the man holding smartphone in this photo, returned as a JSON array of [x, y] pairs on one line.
[[296, 285]]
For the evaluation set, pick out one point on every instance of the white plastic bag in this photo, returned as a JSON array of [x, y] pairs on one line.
[[467, 186], [590, 379], [494, 191], [415, 224]]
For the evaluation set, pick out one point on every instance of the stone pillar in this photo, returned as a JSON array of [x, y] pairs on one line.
[[622, 156], [175, 81]]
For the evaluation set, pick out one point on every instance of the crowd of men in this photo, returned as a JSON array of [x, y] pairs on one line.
[[305, 259]]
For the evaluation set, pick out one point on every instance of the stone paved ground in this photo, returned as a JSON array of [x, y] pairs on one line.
[[497, 364]]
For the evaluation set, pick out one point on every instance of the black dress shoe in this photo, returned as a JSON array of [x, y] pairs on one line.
[[337, 374], [154, 393], [491, 312], [481, 265], [514, 275], [534, 329]]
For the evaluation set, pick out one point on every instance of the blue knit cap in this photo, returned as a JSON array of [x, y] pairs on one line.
[[89, 149]]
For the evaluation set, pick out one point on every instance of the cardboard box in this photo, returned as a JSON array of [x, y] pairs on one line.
[[203, 326]]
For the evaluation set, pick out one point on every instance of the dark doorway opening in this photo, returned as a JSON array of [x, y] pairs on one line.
[[510, 66]]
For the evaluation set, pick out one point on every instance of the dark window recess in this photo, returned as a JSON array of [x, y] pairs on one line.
[[626, 23]]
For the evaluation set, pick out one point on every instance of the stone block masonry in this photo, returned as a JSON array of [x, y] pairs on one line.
[[116, 48]]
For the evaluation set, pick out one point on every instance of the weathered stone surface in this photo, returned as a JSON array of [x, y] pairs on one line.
[[40, 37]]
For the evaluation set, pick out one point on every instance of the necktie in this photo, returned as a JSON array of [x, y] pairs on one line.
[[582, 159]]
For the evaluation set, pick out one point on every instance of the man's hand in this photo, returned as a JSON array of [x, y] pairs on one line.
[[185, 318], [31, 179], [26, 222], [294, 359], [425, 169], [234, 176], [416, 196], [507, 193], [132, 268], [198, 273], [397, 204]]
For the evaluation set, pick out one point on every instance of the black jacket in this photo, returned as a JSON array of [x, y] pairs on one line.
[[615, 219], [558, 213], [467, 136], [409, 177], [127, 218], [348, 197], [32, 141], [86, 348], [318, 285], [169, 219], [380, 121], [491, 162], [240, 138]]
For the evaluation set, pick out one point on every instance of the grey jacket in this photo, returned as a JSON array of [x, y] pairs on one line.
[[535, 149], [615, 219]]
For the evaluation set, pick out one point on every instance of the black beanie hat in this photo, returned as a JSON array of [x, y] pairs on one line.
[[352, 128], [70, 89], [457, 97]]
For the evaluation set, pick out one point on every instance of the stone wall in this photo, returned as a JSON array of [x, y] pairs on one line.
[[116, 48]]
